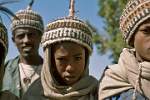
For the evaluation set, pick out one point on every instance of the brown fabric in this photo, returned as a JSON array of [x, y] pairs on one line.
[[84, 89], [123, 76], [6, 95]]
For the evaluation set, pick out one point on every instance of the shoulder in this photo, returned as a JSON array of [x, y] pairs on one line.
[[12, 63]]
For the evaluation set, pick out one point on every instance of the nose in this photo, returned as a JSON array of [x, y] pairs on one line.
[[70, 68], [26, 39]]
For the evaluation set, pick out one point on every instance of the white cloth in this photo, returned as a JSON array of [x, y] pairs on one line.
[[84, 89], [124, 75], [31, 71]]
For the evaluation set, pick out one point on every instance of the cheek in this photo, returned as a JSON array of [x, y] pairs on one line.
[[80, 67], [142, 43], [59, 67]]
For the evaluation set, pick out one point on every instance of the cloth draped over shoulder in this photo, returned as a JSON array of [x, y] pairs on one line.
[[124, 75], [47, 88], [84, 89]]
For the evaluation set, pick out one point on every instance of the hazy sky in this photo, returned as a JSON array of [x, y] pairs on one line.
[[53, 9]]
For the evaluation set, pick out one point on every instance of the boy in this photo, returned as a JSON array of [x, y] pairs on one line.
[[130, 78], [67, 44]]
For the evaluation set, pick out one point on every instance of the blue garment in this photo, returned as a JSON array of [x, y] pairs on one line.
[[127, 95], [11, 80]]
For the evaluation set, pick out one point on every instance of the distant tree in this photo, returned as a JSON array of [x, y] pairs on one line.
[[110, 11]]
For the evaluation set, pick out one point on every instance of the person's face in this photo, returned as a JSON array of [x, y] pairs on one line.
[[142, 41], [69, 61], [27, 41]]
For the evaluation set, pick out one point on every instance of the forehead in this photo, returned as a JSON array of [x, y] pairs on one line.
[[68, 48], [25, 30]]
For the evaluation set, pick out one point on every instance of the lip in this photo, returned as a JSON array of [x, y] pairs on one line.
[[70, 76], [27, 48]]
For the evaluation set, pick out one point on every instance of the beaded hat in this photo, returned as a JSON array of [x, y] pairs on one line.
[[68, 29], [28, 18], [135, 13]]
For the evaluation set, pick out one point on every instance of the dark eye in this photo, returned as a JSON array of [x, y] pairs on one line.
[[78, 58], [61, 59], [20, 36], [146, 31]]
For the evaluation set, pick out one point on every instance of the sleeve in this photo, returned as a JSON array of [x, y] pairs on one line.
[[7, 79]]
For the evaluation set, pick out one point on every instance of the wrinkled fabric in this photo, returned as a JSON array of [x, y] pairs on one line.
[[84, 89], [11, 80], [47, 88], [123, 76], [127, 95]]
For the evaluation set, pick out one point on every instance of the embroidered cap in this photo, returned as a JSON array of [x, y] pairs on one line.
[[135, 13], [28, 18], [68, 29]]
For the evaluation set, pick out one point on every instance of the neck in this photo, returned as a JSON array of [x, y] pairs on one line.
[[36, 60]]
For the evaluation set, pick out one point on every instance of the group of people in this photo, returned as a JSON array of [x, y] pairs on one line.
[[63, 72]]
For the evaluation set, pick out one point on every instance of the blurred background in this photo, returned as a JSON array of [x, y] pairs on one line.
[[101, 15]]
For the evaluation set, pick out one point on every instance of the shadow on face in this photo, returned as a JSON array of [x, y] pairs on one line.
[[68, 62]]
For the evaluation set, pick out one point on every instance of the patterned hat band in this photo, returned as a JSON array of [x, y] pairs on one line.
[[28, 18], [27, 23], [69, 23], [130, 33], [67, 34], [135, 13]]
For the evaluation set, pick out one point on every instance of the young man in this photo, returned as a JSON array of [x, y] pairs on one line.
[[130, 78], [23, 70], [67, 44]]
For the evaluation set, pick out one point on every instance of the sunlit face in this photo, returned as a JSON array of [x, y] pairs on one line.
[[142, 41], [69, 61], [27, 41]]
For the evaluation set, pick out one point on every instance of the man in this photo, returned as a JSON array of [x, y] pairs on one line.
[[67, 44], [23, 70]]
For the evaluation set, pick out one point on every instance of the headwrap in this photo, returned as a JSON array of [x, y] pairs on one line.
[[127, 74], [72, 30], [135, 13], [28, 18]]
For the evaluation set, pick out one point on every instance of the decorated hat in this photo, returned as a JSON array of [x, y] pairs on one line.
[[28, 18], [68, 29], [135, 13]]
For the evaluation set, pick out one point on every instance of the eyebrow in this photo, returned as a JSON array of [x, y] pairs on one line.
[[78, 54], [144, 27]]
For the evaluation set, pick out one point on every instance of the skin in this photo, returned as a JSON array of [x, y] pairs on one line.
[[27, 41], [69, 63], [142, 41]]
